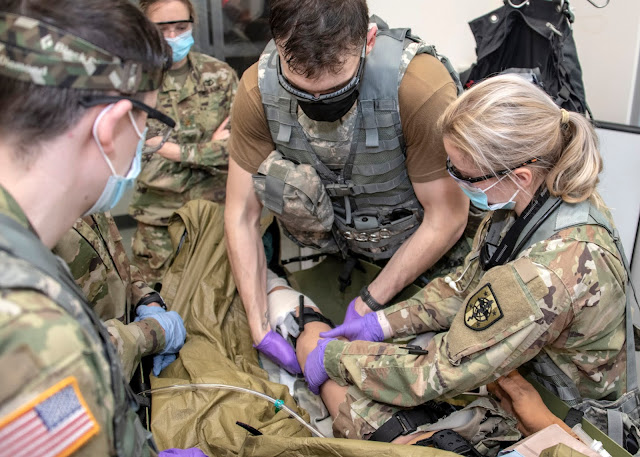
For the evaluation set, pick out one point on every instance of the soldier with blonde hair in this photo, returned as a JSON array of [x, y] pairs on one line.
[[544, 285]]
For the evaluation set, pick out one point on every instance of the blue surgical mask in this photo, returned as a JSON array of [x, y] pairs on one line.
[[181, 45], [117, 185], [479, 198]]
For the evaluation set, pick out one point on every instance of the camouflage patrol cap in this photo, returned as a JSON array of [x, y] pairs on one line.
[[40, 53]]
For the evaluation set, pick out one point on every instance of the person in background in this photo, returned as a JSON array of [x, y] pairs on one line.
[[94, 252], [192, 163], [544, 284]]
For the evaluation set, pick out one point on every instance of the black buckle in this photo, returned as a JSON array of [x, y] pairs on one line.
[[449, 440], [339, 189], [405, 422]]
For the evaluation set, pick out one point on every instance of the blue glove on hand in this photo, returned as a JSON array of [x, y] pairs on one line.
[[314, 371], [279, 351], [367, 328], [352, 314], [174, 334]]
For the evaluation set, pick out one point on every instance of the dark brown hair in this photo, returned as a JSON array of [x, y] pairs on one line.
[[30, 113], [146, 4], [317, 35]]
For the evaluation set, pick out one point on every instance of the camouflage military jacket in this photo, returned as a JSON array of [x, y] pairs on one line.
[[199, 106], [98, 262], [564, 296], [47, 359]]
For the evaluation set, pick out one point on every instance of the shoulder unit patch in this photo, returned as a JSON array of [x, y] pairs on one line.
[[483, 309]]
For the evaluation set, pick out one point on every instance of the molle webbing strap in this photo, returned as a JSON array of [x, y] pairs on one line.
[[341, 190]]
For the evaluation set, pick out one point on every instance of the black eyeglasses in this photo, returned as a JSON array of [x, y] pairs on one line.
[[455, 173], [339, 94], [178, 26], [152, 113]]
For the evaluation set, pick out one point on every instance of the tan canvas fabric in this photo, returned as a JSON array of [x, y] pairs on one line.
[[199, 285]]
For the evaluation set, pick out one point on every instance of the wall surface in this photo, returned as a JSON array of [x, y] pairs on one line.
[[608, 42]]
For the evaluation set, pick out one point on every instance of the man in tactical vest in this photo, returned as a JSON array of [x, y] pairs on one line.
[[334, 131], [78, 80]]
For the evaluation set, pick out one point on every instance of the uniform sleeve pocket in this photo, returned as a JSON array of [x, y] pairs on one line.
[[504, 303]]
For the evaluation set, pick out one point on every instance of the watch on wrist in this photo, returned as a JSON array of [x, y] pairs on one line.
[[153, 297], [369, 300]]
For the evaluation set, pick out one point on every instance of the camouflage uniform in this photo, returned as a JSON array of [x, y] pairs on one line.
[[199, 105], [564, 296], [59, 369], [98, 262], [43, 347]]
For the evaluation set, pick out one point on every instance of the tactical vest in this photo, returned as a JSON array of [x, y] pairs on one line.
[[130, 438], [374, 205], [613, 417]]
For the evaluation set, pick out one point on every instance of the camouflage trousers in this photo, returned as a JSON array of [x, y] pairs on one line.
[[483, 423], [152, 249]]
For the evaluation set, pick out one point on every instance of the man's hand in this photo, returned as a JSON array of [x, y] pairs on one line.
[[520, 399], [352, 313], [222, 132], [279, 351], [174, 334], [366, 328]]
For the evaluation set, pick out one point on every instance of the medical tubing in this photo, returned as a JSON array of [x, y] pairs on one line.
[[196, 386]]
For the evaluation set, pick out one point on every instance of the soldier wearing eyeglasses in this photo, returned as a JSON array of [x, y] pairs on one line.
[[335, 133], [189, 162]]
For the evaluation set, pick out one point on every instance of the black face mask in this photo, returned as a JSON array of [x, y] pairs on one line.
[[329, 112]]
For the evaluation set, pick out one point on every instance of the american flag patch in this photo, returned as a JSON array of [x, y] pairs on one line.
[[55, 424]]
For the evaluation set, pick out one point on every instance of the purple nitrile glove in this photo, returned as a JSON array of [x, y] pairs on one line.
[[366, 328], [274, 346], [352, 314], [314, 371], [174, 452]]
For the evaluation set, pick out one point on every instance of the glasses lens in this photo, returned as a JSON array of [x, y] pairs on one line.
[[461, 182], [344, 92], [177, 28]]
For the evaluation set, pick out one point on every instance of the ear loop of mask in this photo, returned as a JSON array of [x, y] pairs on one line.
[[135, 126], [477, 189], [97, 140]]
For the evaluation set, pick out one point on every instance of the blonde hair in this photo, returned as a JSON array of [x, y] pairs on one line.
[[505, 121]]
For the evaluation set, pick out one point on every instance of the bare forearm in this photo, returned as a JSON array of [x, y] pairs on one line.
[[248, 263], [414, 257]]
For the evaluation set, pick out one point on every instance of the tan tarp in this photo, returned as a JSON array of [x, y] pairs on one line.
[[199, 286]]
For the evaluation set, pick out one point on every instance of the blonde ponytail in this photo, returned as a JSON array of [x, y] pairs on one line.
[[574, 177]]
